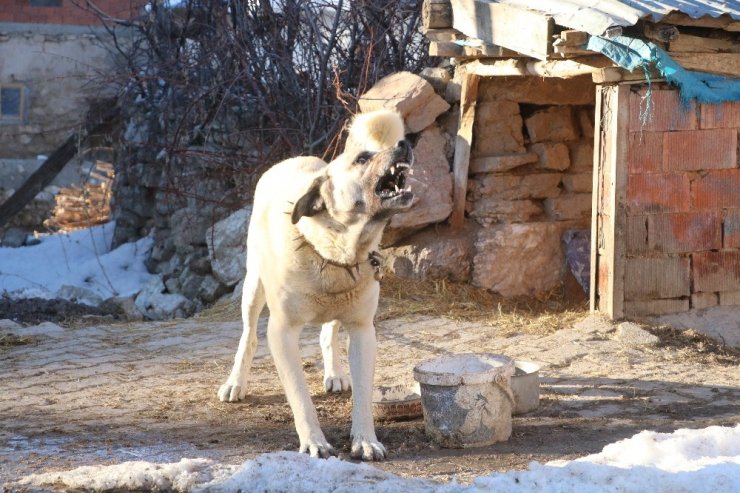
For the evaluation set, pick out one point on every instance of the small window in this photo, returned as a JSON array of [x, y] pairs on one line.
[[46, 3], [11, 103]]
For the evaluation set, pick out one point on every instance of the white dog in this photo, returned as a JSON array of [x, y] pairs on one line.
[[311, 257]]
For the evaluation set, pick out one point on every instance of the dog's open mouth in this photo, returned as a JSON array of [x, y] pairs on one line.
[[392, 184]]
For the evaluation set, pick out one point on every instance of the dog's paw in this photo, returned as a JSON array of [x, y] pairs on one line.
[[367, 449], [319, 449], [336, 382], [229, 392]]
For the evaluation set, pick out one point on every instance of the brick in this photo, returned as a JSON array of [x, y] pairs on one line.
[[555, 124], [716, 271], [645, 152], [656, 278], [729, 298], [731, 229], [579, 182], [569, 206], [667, 112], [655, 307], [725, 115], [717, 189], [637, 234], [700, 149], [684, 232], [704, 300], [657, 193], [552, 155]]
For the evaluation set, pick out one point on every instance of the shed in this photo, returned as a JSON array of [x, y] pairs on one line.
[[658, 180]]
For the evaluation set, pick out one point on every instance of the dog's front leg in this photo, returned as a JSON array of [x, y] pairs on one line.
[[282, 339], [362, 347]]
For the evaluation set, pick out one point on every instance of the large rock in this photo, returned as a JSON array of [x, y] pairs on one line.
[[554, 124], [519, 259], [410, 95], [227, 247], [497, 129], [515, 187], [490, 210], [432, 186], [435, 253], [155, 304], [78, 294]]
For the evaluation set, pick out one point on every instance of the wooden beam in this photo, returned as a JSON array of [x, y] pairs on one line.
[[727, 64], [551, 68], [436, 14], [454, 50], [608, 247], [662, 33], [611, 75], [523, 31], [698, 44], [463, 144]]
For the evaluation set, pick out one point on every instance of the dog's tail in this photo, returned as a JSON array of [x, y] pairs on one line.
[[376, 131]]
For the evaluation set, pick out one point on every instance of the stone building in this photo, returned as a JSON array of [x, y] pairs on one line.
[[621, 119], [52, 54]]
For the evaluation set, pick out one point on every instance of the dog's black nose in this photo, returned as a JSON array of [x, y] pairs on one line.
[[403, 149]]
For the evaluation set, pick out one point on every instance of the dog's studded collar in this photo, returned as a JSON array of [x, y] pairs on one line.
[[375, 259]]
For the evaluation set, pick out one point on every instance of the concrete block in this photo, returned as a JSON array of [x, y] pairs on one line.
[[724, 115], [655, 307], [729, 298]]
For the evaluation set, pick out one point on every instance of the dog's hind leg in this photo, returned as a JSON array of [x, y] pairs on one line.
[[335, 379], [253, 300], [282, 337]]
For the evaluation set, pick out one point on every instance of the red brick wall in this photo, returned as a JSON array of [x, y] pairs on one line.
[[68, 13], [683, 205]]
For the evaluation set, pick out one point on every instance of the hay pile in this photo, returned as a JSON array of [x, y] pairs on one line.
[[457, 301]]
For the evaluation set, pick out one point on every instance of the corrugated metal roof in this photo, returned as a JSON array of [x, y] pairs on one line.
[[596, 16]]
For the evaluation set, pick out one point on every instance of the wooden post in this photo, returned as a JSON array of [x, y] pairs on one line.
[[436, 14], [463, 143], [608, 228]]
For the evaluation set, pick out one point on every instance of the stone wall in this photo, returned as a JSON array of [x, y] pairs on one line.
[[682, 205], [54, 69], [531, 179]]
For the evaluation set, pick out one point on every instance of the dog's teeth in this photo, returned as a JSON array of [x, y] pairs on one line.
[[393, 170]]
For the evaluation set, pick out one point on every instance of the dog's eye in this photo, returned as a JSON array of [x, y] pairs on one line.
[[363, 158]]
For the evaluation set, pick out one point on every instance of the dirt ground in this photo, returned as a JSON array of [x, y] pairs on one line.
[[97, 391]]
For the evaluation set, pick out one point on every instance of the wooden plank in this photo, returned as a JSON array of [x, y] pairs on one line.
[[436, 14], [662, 33], [727, 64], [698, 44], [574, 38], [593, 291], [549, 68], [463, 144], [733, 27], [517, 29]]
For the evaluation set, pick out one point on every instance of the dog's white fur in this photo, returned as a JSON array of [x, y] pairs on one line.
[[312, 230]]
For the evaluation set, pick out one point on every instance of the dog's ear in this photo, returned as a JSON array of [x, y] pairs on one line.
[[310, 203]]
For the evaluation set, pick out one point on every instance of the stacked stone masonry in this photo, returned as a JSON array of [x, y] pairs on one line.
[[682, 205], [531, 176]]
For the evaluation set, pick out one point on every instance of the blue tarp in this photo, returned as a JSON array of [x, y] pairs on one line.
[[631, 53]]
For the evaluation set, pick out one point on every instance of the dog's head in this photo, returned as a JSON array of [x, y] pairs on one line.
[[368, 180]]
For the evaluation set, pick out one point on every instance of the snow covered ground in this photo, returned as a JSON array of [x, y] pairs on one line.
[[685, 461], [82, 259]]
